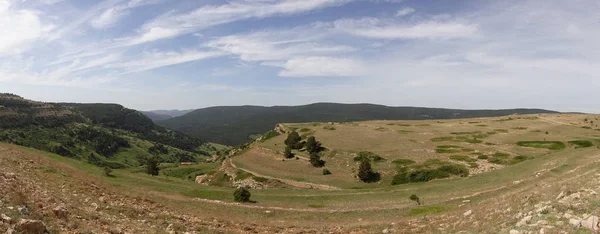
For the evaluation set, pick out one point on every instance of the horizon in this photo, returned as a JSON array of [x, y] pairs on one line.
[[179, 55]]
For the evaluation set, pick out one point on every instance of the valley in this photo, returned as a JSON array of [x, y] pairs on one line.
[[519, 173]]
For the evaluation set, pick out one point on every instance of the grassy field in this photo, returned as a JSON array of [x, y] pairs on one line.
[[374, 206]]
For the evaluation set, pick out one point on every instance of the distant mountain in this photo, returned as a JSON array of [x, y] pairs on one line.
[[232, 125], [156, 117], [102, 134], [172, 113]]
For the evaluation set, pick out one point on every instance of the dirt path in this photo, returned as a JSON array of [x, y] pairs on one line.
[[293, 183]]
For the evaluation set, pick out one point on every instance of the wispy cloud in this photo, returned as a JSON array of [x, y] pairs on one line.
[[109, 17], [405, 11], [390, 29], [21, 27]]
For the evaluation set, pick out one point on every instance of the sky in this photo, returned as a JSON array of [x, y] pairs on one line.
[[186, 54]]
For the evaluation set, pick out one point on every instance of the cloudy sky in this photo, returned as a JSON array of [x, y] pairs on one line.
[[179, 54]]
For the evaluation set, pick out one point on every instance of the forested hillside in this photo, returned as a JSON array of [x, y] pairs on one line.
[[234, 125], [102, 134]]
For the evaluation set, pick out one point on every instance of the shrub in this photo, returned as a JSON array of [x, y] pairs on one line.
[[496, 161], [366, 173], [462, 158], [152, 166], [241, 194], [315, 160], [326, 171], [312, 145], [107, 171], [482, 157], [518, 159], [287, 153], [415, 198], [403, 162], [366, 155], [501, 155], [293, 140]]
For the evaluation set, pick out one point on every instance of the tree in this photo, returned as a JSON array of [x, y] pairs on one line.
[[312, 145], [107, 171], [415, 199], [366, 173], [293, 140], [315, 160], [287, 153], [242, 194], [152, 166]]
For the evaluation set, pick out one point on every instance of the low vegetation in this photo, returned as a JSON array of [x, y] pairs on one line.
[[551, 145]]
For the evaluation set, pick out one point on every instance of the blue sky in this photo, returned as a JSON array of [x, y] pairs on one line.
[[178, 54]]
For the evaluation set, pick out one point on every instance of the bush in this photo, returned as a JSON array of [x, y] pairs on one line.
[[415, 198], [152, 166], [315, 160], [365, 155], [287, 153], [482, 157], [312, 145], [241, 194], [326, 171], [366, 173], [581, 143], [551, 145], [107, 171], [293, 140]]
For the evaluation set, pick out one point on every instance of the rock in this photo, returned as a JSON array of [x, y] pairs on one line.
[[5, 218], [466, 201], [524, 221], [95, 206], [575, 222], [10, 231], [469, 212], [560, 195], [102, 199], [60, 212], [385, 231], [542, 231], [23, 210], [170, 229], [591, 223], [514, 232], [30, 226]]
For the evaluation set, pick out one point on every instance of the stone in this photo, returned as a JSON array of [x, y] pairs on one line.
[[469, 212], [60, 212], [542, 231], [30, 226], [385, 231], [575, 222], [591, 223], [10, 231], [514, 232], [561, 195], [524, 221], [170, 229], [23, 210], [5, 218], [95, 206]]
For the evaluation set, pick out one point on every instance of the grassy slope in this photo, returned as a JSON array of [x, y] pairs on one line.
[[377, 207]]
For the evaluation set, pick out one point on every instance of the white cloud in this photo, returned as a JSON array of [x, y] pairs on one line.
[[153, 60], [321, 67], [109, 17], [381, 29], [208, 16], [405, 11], [21, 27]]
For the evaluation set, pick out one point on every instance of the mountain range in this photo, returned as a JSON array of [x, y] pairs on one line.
[[234, 125]]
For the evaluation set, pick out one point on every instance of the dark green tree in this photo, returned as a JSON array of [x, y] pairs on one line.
[[315, 160], [287, 153], [241, 194], [366, 173], [152, 166], [415, 199], [312, 145], [293, 140]]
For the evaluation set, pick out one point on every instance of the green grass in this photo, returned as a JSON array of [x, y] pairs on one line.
[[463, 158], [518, 159], [551, 145], [500, 155], [581, 143], [483, 157], [447, 151], [403, 162], [403, 131]]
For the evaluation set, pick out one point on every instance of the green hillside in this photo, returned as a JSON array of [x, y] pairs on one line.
[[235, 124], [102, 134]]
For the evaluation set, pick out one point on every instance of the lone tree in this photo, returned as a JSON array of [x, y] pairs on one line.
[[312, 145], [366, 173], [242, 194], [315, 160], [415, 199], [293, 140], [152, 166], [287, 153]]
